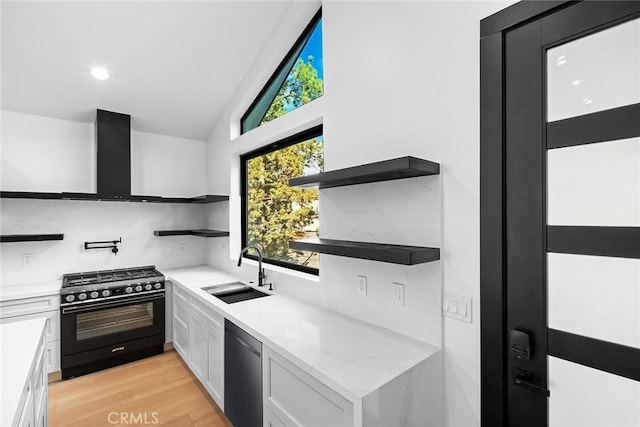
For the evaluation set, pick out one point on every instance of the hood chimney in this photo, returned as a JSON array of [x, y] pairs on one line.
[[113, 141]]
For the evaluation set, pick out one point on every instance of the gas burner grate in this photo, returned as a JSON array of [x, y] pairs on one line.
[[108, 276], [81, 281]]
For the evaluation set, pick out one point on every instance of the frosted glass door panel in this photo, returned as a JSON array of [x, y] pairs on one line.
[[594, 73], [586, 397], [595, 184], [598, 297]]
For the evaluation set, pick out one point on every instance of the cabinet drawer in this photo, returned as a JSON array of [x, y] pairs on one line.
[[22, 306], [52, 328], [208, 314], [298, 399]]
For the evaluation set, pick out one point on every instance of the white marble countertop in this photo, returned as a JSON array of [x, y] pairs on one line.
[[19, 343], [351, 356], [26, 290]]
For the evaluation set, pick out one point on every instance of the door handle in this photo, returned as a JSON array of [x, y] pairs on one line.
[[523, 379]]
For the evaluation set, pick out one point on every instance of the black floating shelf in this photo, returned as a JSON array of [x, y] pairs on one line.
[[10, 238], [209, 233], [207, 198], [395, 254], [387, 170], [29, 195], [199, 233]]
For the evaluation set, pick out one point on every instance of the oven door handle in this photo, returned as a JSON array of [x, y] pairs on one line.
[[109, 304]]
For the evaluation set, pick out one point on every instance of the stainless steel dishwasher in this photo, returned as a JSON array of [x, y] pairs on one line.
[[242, 377]]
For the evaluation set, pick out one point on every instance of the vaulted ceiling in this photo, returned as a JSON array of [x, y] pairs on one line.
[[174, 65]]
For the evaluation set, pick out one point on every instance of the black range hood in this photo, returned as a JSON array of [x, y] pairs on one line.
[[113, 141]]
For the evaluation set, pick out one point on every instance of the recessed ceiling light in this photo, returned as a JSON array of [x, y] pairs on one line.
[[99, 73], [576, 82], [561, 60], [587, 101]]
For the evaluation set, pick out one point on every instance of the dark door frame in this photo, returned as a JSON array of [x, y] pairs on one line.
[[494, 341]]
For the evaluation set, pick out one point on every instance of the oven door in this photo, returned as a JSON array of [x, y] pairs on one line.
[[89, 326]]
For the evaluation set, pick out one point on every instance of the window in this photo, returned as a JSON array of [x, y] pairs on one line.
[[296, 81], [274, 213]]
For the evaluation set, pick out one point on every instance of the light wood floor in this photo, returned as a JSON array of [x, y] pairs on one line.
[[160, 385]]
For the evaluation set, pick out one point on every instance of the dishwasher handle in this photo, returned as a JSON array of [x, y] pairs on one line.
[[245, 344], [243, 338]]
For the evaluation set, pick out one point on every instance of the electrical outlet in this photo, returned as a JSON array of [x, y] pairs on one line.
[[183, 248], [27, 260], [398, 293], [457, 307], [362, 285]]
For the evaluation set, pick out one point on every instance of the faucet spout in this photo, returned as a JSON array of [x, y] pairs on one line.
[[260, 270]]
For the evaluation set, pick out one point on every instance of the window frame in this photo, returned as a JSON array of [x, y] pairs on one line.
[[306, 33], [244, 158]]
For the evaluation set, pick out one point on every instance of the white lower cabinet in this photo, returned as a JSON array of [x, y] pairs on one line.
[[198, 336], [295, 398], [180, 321], [207, 353]]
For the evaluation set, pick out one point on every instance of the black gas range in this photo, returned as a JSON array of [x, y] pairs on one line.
[[110, 317]]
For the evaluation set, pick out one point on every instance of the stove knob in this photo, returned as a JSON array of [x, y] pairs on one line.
[[138, 288], [94, 294], [106, 293], [128, 290], [148, 287], [158, 285], [82, 296], [70, 298]]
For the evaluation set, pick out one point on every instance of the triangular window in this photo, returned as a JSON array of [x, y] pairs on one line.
[[297, 80]]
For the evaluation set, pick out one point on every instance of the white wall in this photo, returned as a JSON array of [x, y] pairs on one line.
[[401, 78], [95, 221], [167, 166], [52, 155], [46, 155]]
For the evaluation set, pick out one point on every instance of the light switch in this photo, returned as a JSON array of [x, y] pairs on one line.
[[462, 308], [456, 307], [453, 307]]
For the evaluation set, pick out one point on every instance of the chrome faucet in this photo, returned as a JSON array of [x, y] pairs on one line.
[[261, 275]]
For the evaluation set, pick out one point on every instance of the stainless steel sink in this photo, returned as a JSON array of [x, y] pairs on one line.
[[234, 292]]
